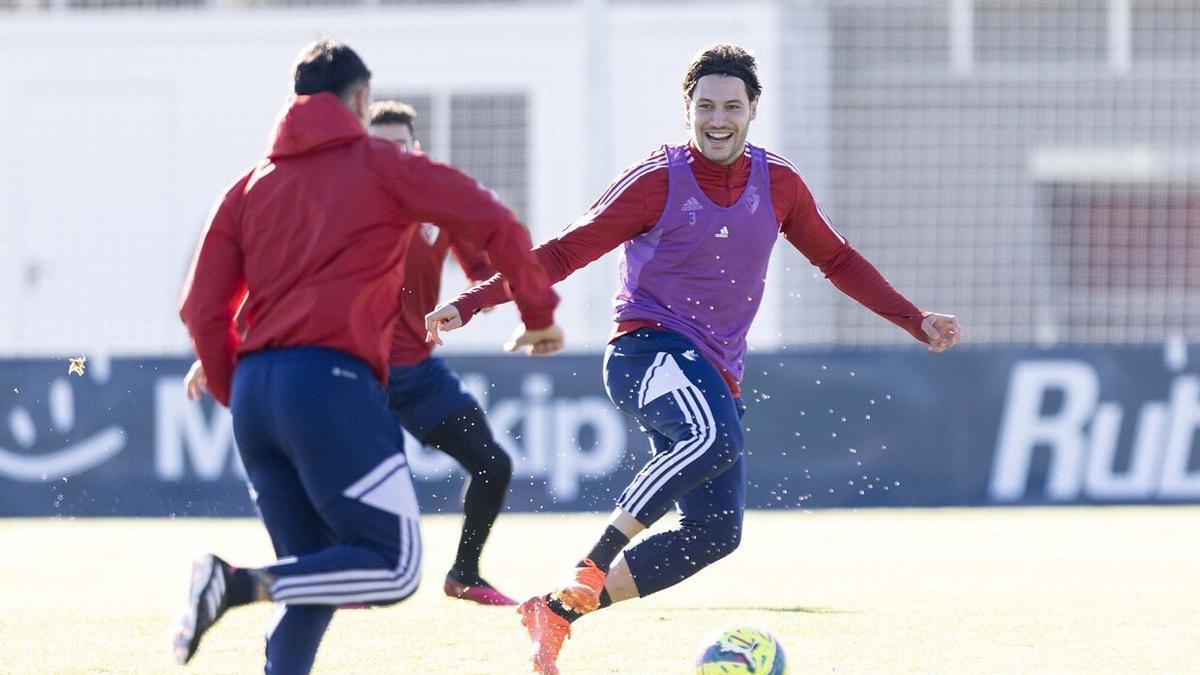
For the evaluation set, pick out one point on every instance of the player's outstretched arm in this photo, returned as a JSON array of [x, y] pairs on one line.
[[431, 191], [623, 212], [540, 342], [806, 227]]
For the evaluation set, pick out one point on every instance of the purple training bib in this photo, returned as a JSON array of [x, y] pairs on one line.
[[701, 270]]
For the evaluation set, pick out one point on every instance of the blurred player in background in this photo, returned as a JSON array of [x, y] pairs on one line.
[[308, 248], [428, 397], [696, 224]]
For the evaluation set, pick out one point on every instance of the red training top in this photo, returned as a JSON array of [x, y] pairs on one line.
[[313, 238], [634, 202], [423, 283]]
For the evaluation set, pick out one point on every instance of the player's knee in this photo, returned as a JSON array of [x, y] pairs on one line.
[[491, 466], [733, 537], [716, 537], [402, 594], [723, 538], [402, 588], [500, 466]]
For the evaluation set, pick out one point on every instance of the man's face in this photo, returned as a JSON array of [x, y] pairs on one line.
[[719, 112], [399, 134]]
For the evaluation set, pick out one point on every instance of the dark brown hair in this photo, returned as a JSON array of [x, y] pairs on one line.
[[723, 59], [328, 65]]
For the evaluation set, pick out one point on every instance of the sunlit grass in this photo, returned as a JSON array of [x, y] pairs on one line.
[[930, 591]]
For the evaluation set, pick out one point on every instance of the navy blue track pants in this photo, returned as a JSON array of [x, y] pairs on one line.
[[329, 478], [694, 424]]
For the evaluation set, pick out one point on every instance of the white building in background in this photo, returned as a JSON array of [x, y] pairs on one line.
[[118, 130], [1031, 166]]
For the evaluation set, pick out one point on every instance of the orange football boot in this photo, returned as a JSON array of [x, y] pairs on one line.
[[547, 631]]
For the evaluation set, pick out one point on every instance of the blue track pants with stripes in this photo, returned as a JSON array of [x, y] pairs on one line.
[[329, 478], [694, 424]]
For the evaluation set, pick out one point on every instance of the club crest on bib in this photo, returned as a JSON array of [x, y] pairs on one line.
[[752, 198], [429, 232]]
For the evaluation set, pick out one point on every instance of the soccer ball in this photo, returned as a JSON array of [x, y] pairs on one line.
[[742, 650]]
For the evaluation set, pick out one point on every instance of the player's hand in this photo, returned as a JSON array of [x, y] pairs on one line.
[[443, 318], [536, 342], [943, 331], [195, 383]]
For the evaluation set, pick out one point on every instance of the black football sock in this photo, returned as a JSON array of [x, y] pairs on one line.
[[466, 437], [241, 586], [605, 550], [560, 609], [465, 574], [468, 577]]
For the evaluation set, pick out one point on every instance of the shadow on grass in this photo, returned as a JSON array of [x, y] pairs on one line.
[[789, 610]]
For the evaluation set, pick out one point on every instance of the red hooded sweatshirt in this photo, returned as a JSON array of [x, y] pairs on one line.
[[313, 239]]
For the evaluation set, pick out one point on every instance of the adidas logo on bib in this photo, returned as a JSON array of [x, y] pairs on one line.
[[723, 234], [692, 204]]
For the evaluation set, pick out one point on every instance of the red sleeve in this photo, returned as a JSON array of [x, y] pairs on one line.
[[629, 207], [806, 227], [474, 263], [214, 289], [432, 191]]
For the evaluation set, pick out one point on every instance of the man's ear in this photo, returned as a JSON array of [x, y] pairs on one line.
[[360, 105], [364, 100]]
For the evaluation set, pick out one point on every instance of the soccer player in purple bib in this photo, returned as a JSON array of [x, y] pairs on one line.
[[696, 224]]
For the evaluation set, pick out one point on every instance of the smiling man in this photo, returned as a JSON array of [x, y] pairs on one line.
[[697, 223]]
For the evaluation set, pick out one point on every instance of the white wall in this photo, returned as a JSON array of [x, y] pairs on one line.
[[117, 131]]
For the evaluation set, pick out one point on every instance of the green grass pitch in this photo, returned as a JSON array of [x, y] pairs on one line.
[[1065, 590]]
